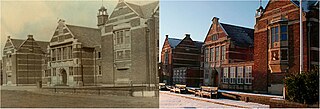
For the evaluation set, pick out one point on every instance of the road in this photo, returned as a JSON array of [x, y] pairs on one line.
[[26, 99]]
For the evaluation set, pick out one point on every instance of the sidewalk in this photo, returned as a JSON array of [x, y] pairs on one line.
[[227, 102]]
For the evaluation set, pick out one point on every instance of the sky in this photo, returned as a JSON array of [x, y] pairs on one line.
[[194, 17]]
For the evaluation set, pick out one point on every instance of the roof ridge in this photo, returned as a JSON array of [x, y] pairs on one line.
[[82, 26], [236, 26]]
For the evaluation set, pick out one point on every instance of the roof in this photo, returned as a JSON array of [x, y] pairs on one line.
[[89, 37], [174, 42], [198, 44], [241, 36], [306, 4], [17, 42], [43, 45], [144, 11]]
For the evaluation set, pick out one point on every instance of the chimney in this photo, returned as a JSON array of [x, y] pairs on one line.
[[30, 36], [215, 20], [167, 36], [187, 35]]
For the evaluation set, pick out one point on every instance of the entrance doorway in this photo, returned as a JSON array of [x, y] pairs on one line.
[[64, 76]]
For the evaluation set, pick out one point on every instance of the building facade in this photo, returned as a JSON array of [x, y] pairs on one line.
[[277, 42], [129, 46], [190, 76], [23, 61], [178, 53], [74, 56], [225, 44]]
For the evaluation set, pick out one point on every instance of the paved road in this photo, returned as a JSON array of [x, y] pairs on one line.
[[23, 99], [173, 101]]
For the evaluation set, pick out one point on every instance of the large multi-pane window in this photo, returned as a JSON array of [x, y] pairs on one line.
[[223, 51], [217, 54], [59, 54], [240, 75], [123, 36], [206, 56], [70, 52], [54, 72], [64, 52], [284, 34], [127, 54], [248, 74], [211, 54], [232, 75], [166, 57], [274, 35], [119, 55], [225, 75], [53, 55]]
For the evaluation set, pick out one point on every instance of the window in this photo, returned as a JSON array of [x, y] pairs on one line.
[[119, 54], [99, 70], [240, 75], [284, 35], [70, 70], [127, 37], [275, 55], [211, 54], [274, 35], [59, 54], [225, 75], [166, 57], [223, 51], [65, 53], [70, 52], [233, 75], [53, 55], [53, 71], [248, 74], [214, 37], [217, 54], [99, 54], [284, 54], [127, 54], [206, 55]]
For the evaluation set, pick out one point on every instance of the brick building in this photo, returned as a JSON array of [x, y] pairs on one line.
[[177, 53], [190, 76], [74, 56], [227, 47], [23, 61], [276, 42], [129, 44]]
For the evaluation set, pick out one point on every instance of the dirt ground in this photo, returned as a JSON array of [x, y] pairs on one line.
[[24, 99]]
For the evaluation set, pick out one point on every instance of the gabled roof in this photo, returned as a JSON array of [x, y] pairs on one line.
[[43, 45], [241, 36], [174, 42], [198, 44], [16, 42], [89, 37], [144, 11], [306, 4]]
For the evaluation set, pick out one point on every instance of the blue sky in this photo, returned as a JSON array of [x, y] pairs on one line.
[[194, 17]]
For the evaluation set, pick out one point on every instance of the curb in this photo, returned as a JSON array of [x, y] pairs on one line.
[[206, 100]]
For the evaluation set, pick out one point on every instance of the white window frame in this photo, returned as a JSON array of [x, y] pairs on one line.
[[225, 77], [240, 75], [248, 75], [232, 75]]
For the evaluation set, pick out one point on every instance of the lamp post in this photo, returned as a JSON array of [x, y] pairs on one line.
[[301, 39]]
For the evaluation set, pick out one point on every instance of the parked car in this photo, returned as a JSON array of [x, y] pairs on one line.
[[172, 89]]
